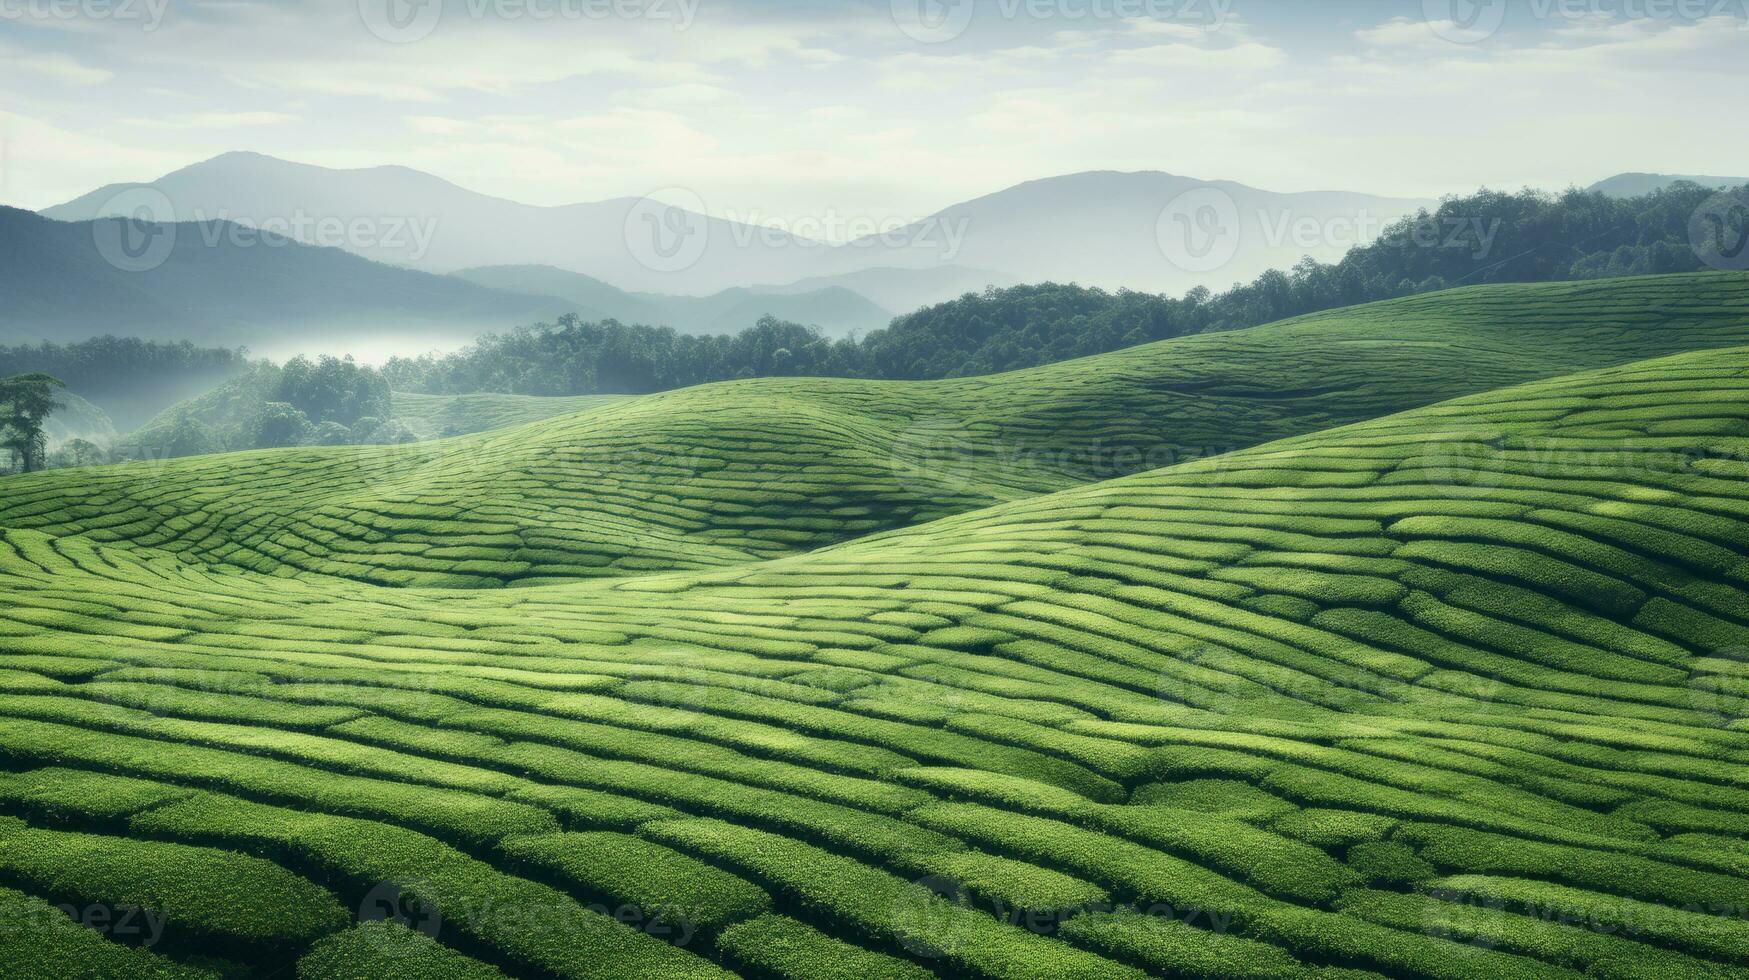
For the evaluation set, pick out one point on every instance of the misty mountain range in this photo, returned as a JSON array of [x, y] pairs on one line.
[[212, 286], [1098, 228], [838, 310], [1639, 185], [285, 257]]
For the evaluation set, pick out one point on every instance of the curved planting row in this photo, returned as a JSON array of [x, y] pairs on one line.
[[1462, 692], [725, 474]]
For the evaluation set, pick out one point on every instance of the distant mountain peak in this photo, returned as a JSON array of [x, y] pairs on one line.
[[1638, 184], [1098, 227]]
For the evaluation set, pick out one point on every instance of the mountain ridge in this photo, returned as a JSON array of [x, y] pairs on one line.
[[1095, 227], [837, 310], [218, 283], [1635, 184]]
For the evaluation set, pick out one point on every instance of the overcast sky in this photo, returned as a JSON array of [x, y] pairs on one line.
[[881, 109]]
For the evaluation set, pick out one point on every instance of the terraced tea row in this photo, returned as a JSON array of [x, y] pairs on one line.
[[1460, 692], [442, 416], [727, 474]]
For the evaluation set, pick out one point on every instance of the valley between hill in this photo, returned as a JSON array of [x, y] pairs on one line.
[[1455, 692]]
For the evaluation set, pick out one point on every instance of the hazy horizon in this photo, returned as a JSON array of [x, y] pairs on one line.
[[881, 111]]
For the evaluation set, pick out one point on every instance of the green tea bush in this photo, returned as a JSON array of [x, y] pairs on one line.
[[522, 922], [775, 946], [38, 941], [629, 872], [1694, 930], [1389, 864], [1173, 948], [883, 908], [384, 948], [209, 900]]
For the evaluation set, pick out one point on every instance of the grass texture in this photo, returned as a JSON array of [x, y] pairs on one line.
[[720, 475], [1456, 692]]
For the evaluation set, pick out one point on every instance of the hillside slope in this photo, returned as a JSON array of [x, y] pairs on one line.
[[1456, 693], [726, 473], [220, 284], [1096, 227], [1114, 229], [442, 416], [451, 227], [77, 418], [837, 311]]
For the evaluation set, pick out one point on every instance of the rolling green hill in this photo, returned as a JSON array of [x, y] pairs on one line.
[[441, 416], [1453, 693], [723, 474]]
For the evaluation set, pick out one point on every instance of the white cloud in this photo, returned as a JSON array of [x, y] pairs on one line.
[[42, 164], [796, 110], [1246, 56], [53, 65], [66, 69], [1405, 32], [437, 125], [687, 94], [214, 120]]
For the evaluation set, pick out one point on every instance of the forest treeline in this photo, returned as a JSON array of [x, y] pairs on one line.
[[1487, 237], [127, 377], [325, 401]]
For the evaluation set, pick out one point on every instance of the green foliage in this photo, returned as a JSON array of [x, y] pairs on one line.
[[630, 873], [1387, 863], [38, 941], [882, 908], [775, 946], [572, 357], [208, 900], [1697, 930], [1236, 715], [1487, 237], [444, 416], [716, 476], [328, 401], [25, 401], [1333, 828], [130, 378], [280, 424], [1176, 948], [1575, 945], [526, 923], [385, 948], [72, 796]]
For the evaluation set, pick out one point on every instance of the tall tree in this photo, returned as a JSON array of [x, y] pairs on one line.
[[25, 401]]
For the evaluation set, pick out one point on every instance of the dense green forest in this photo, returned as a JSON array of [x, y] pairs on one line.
[[125, 376], [328, 401], [1487, 237]]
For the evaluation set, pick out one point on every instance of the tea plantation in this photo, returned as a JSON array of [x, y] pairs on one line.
[[442, 416], [723, 474], [1456, 692]]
